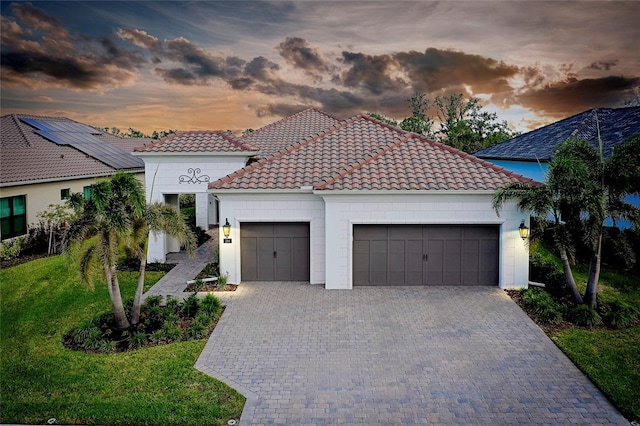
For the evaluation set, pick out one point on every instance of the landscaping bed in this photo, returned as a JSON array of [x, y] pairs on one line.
[[41, 379]]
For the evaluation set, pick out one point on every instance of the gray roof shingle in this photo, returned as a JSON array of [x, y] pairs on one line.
[[616, 125]]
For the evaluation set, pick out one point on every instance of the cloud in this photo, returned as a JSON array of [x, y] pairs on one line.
[[298, 52], [371, 73], [196, 65], [436, 70], [603, 65], [38, 19], [142, 39], [571, 96], [49, 58]]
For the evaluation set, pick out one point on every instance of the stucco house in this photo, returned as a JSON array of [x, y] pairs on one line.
[[344, 203], [529, 154], [44, 159]]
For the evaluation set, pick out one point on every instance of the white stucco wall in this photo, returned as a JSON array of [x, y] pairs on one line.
[[345, 210], [174, 174], [272, 207], [332, 216]]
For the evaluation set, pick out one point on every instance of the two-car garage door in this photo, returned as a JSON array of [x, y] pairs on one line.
[[425, 255]]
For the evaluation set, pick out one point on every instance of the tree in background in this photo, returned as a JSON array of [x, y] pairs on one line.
[[418, 122], [135, 133], [461, 123]]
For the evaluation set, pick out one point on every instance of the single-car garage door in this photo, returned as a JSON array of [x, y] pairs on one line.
[[425, 255], [274, 251]]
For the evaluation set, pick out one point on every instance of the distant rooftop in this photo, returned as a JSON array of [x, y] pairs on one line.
[[616, 125]]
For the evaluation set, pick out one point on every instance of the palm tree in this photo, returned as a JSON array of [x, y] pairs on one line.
[[117, 216], [104, 223], [606, 183], [157, 217], [584, 190], [543, 201]]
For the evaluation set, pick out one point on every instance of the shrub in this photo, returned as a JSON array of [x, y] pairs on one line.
[[107, 346], [172, 319], [222, 281], [584, 316], [172, 334], [546, 272], [540, 303], [619, 315], [137, 340], [173, 304], [196, 331], [10, 249], [190, 305], [210, 305], [203, 320], [152, 301]]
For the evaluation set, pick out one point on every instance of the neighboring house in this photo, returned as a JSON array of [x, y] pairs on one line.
[[44, 159], [346, 203], [530, 153]]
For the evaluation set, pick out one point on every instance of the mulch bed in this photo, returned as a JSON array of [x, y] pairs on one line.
[[212, 288], [516, 296], [23, 259]]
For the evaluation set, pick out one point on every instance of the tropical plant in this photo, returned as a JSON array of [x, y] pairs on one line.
[[583, 189], [116, 216]]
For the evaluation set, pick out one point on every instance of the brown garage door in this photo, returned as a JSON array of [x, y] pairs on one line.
[[274, 251], [425, 255]]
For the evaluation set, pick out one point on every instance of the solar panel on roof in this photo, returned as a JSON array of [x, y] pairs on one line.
[[82, 138], [60, 126]]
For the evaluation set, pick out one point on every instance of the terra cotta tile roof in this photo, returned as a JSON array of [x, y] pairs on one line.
[[27, 156], [364, 153], [198, 141], [276, 136]]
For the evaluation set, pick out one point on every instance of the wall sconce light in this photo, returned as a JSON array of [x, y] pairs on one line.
[[524, 231], [226, 228]]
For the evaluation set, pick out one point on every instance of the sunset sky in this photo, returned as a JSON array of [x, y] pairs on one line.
[[234, 65]]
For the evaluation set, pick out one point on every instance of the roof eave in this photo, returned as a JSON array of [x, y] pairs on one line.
[[324, 192], [66, 178], [196, 153]]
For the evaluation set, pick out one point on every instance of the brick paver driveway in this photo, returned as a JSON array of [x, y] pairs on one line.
[[305, 355]]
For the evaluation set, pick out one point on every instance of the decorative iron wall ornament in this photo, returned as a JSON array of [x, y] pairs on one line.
[[194, 176]]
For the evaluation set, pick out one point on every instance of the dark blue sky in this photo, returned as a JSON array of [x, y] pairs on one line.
[[234, 65]]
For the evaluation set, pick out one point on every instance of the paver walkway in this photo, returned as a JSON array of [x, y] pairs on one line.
[[305, 355], [175, 281]]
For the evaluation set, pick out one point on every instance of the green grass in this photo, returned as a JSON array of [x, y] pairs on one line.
[[610, 358], [40, 379]]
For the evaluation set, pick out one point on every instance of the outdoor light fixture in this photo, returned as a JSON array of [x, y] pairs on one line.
[[226, 229], [524, 231]]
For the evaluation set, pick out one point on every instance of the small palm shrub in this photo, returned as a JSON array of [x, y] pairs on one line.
[[618, 315], [210, 305], [173, 304], [190, 305], [137, 340], [196, 331], [584, 316], [540, 303]]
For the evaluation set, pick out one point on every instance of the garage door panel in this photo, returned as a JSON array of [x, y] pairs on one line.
[[425, 255], [275, 251]]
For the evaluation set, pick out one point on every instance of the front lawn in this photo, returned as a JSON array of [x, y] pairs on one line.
[[610, 358], [41, 379]]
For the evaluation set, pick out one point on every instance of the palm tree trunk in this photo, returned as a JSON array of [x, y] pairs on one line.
[[568, 277], [116, 300], [137, 301], [594, 275]]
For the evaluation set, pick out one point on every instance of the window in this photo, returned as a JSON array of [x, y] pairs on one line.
[[87, 192], [65, 193], [13, 216]]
